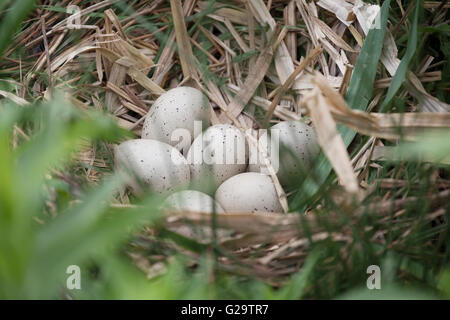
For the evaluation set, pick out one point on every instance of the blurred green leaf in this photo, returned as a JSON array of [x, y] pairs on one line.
[[444, 283], [430, 147], [12, 21], [296, 287], [391, 292], [34, 257]]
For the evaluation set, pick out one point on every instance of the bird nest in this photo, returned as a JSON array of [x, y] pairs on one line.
[[258, 63]]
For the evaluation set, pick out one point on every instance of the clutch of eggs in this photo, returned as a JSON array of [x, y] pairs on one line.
[[220, 154]]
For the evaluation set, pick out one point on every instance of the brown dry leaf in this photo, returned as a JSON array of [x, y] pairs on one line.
[[221, 13], [142, 62], [330, 34], [252, 81], [381, 125], [291, 37], [118, 91], [313, 31], [20, 101], [330, 141], [145, 81], [283, 61], [341, 8], [289, 81], [295, 243], [128, 64], [236, 36], [253, 223], [115, 21], [280, 111], [116, 78], [165, 61], [426, 101], [185, 54]]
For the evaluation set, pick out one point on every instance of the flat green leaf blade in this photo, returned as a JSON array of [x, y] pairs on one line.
[[402, 70], [300, 281], [358, 97], [361, 84]]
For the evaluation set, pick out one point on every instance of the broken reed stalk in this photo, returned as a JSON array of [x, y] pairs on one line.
[[47, 54], [290, 80], [254, 79], [391, 126], [184, 46], [330, 141]]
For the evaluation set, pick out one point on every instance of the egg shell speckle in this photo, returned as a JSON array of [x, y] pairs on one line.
[[192, 200], [219, 153], [248, 192], [157, 164], [178, 108], [302, 149]]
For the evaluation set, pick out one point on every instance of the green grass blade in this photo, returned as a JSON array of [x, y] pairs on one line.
[[358, 97], [300, 281], [361, 85], [402, 70]]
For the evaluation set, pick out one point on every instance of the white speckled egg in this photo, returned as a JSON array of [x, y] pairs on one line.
[[248, 192], [297, 150], [218, 154], [157, 164], [178, 108], [192, 200]]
